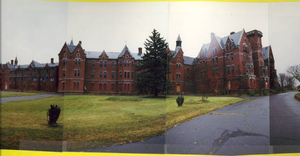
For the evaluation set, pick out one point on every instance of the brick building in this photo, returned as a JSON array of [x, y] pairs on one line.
[[33, 76], [234, 63]]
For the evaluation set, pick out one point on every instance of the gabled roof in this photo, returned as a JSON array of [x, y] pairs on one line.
[[174, 52], [189, 60], [236, 38], [266, 52], [71, 46], [124, 50], [203, 49]]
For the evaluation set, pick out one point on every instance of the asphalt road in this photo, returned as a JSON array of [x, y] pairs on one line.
[[24, 98], [285, 123], [241, 128]]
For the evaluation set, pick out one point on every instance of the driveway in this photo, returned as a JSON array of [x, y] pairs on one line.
[[241, 128], [285, 123], [23, 98]]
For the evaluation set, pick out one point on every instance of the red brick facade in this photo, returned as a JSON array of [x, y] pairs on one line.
[[234, 63], [35, 76]]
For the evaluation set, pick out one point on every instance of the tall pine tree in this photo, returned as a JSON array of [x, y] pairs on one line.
[[154, 67]]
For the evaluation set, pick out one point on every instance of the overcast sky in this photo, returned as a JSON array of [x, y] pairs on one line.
[[37, 30]]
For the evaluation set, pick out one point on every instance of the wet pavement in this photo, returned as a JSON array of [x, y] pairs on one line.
[[241, 128], [24, 98]]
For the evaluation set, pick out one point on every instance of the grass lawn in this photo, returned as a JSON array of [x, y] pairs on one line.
[[95, 121], [3, 95]]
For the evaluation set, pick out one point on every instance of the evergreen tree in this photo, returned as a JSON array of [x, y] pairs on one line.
[[154, 67]]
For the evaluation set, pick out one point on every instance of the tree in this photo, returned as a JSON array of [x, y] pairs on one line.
[[294, 71], [286, 81], [154, 67]]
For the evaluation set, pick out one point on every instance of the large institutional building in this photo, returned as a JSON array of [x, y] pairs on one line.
[[234, 63]]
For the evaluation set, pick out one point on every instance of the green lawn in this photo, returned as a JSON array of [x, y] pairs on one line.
[[3, 95], [92, 121]]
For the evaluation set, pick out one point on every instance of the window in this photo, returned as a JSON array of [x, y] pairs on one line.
[[64, 61], [105, 75], [132, 64], [75, 65], [248, 68], [27, 78], [128, 74], [125, 74], [227, 57], [132, 75], [51, 70], [52, 79], [187, 70], [120, 63], [64, 73], [212, 61], [35, 71], [100, 86], [112, 75], [213, 72], [93, 74], [200, 63], [100, 74], [125, 63], [74, 84], [19, 78], [78, 72], [101, 64], [128, 62], [216, 60], [231, 56], [93, 63], [35, 78], [179, 66], [228, 69], [28, 71], [113, 64], [112, 86], [232, 69], [77, 54], [120, 74], [79, 65], [75, 72], [217, 73], [105, 63]]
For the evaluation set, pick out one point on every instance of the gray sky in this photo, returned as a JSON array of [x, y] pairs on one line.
[[37, 30]]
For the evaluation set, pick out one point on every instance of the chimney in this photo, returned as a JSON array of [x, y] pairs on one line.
[[140, 51], [52, 60], [12, 62], [232, 33], [80, 42]]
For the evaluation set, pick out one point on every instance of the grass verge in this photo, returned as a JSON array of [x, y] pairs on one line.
[[98, 121], [297, 97], [3, 95]]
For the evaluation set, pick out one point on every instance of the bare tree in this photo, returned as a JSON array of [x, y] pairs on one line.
[[290, 82], [294, 71], [282, 80]]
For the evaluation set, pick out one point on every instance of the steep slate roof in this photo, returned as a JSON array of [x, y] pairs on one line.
[[113, 55], [178, 38], [266, 52], [236, 38], [174, 52], [71, 46], [189, 60]]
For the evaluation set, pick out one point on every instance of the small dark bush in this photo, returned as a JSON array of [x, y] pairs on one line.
[[265, 92], [53, 114], [251, 93], [180, 100]]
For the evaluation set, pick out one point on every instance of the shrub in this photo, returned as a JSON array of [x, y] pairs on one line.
[[251, 93], [180, 100], [53, 114], [265, 92], [204, 97]]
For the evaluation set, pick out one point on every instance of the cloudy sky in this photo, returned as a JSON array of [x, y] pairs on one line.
[[37, 30]]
